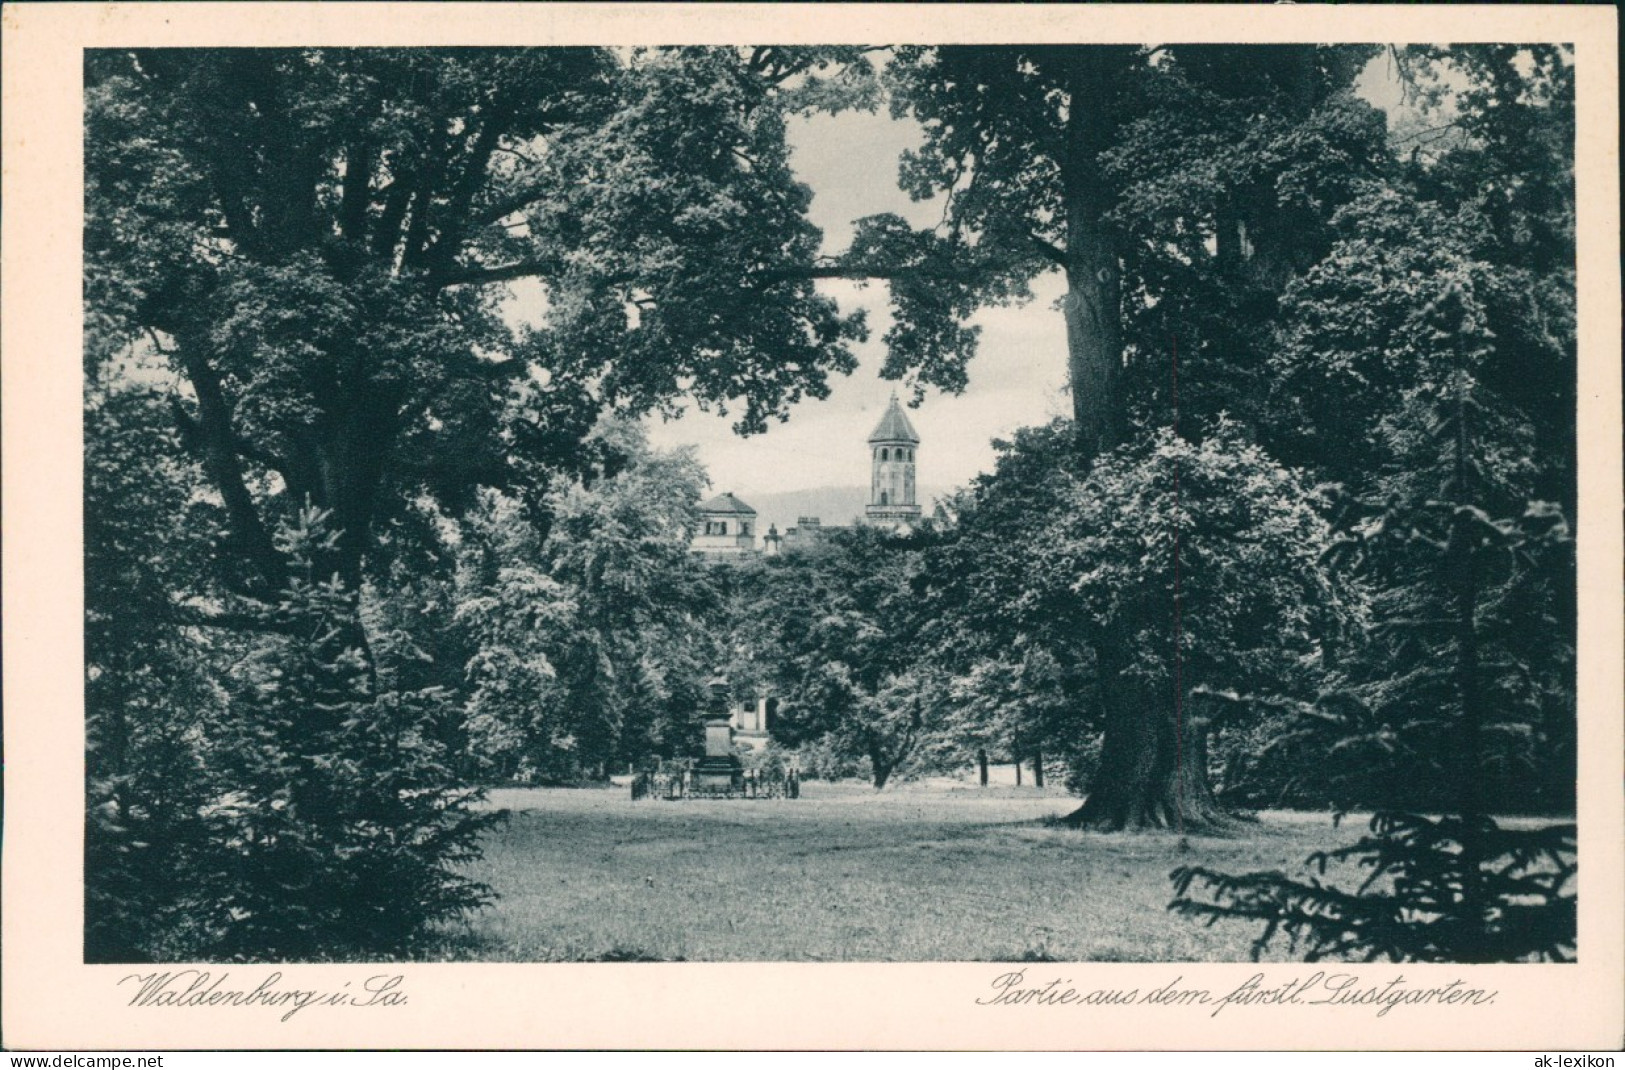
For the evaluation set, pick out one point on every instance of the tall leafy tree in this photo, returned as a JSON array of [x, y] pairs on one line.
[[841, 627], [320, 243], [1444, 315], [589, 645], [1168, 572], [1176, 189], [1134, 172], [318, 239], [1204, 567]]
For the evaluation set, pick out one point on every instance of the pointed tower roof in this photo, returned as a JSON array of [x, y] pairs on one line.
[[726, 503], [894, 426]]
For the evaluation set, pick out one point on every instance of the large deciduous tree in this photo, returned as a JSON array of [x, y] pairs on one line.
[[589, 645], [1176, 189], [1190, 569], [322, 245], [1169, 572], [316, 239], [841, 625]]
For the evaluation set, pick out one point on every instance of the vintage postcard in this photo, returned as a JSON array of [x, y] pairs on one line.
[[812, 526]]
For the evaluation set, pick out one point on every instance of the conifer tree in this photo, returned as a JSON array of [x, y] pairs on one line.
[[341, 825], [1465, 677]]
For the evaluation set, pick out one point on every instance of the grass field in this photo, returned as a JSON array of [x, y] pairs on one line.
[[921, 872]]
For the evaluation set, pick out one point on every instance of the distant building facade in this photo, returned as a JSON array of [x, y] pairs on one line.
[[808, 534], [891, 485], [727, 533], [727, 527], [751, 717]]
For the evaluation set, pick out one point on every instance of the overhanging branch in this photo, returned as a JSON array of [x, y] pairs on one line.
[[479, 276], [1049, 250]]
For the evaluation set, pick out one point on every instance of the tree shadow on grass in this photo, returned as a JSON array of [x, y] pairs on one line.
[[1236, 827]]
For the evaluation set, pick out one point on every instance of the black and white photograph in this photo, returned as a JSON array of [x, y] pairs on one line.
[[965, 502]]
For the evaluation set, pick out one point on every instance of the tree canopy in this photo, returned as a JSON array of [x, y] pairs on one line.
[[317, 240], [315, 249], [371, 518]]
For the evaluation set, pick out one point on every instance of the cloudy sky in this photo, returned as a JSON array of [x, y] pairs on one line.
[[1018, 378]]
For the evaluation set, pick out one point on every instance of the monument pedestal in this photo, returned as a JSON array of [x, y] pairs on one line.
[[720, 769]]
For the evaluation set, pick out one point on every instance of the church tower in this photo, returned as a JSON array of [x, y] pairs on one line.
[[891, 484]]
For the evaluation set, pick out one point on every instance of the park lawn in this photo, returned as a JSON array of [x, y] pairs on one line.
[[920, 872]]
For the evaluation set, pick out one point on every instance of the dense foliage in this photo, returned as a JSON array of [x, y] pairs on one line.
[[1450, 889], [150, 699], [1432, 324], [590, 647], [840, 627], [337, 800], [370, 518], [310, 255]]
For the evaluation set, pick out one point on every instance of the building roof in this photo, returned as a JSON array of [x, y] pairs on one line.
[[726, 503], [894, 426]]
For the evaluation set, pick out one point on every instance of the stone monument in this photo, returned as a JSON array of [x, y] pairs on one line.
[[720, 769]]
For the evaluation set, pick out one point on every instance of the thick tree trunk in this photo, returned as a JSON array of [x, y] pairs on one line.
[[1092, 303], [1153, 768], [249, 535], [981, 766], [1038, 768]]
